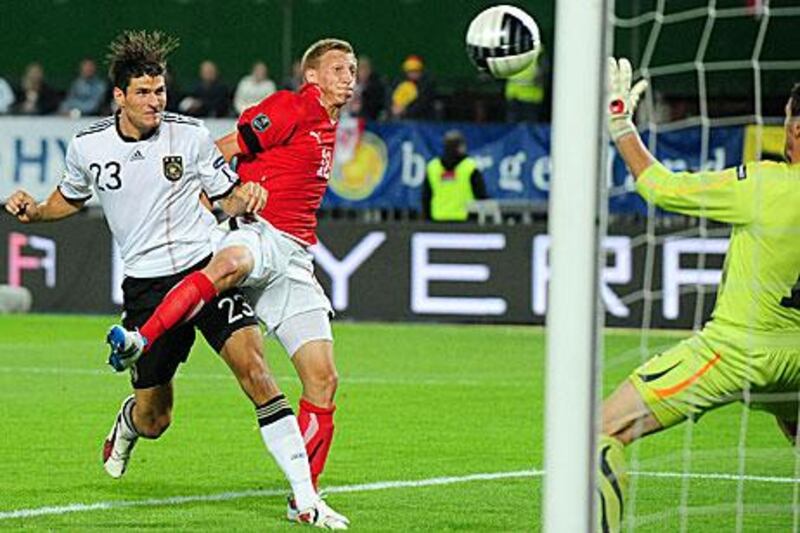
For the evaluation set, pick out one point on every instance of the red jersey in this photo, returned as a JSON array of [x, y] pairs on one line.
[[287, 142]]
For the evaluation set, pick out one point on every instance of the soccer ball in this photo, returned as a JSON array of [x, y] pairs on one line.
[[503, 40]]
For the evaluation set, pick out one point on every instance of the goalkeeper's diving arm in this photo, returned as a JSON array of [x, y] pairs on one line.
[[622, 100]]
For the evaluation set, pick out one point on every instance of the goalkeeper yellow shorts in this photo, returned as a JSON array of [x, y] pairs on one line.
[[720, 365]]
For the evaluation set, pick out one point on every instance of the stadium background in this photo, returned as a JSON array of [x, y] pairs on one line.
[[515, 158], [70, 268], [235, 33]]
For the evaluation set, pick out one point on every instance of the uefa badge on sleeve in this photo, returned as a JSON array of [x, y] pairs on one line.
[[173, 167], [261, 122]]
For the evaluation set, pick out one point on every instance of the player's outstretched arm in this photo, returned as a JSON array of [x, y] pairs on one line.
[[24, 207], [622, 100], [725, 196]]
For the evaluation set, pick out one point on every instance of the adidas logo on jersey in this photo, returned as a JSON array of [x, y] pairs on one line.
[[137, 156]]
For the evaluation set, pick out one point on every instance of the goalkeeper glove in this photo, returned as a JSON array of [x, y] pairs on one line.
[[622, 99]]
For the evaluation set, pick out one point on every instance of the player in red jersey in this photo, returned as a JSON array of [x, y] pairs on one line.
[[286, 144]]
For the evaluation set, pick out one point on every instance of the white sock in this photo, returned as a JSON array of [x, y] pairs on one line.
[[281, 435], [127, 429]]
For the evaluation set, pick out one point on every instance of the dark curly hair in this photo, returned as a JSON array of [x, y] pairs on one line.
[[138, 53]]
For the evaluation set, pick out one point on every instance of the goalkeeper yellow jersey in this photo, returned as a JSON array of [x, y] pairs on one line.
[[760, 288]]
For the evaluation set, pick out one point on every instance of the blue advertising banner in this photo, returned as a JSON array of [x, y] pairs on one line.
[[382, 165]]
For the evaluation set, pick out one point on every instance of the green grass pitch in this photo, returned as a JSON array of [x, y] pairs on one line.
[[416, 403]]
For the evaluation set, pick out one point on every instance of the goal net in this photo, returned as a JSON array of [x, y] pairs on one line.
[[720, 72]]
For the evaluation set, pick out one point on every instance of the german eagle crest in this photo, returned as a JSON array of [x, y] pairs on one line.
[[173, 167]]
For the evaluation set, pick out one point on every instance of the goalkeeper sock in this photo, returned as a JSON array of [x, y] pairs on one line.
[[612, 481], [281, 435], [180, 305], [316, 424]]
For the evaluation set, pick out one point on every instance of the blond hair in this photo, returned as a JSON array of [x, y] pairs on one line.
[[315, 52]]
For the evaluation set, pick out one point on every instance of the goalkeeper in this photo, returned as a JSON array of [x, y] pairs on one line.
[[750, 349]]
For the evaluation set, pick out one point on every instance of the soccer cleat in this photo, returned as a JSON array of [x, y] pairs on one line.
[[126, 347], [319, 515], [291, 505], [117, 448], [291, 509]]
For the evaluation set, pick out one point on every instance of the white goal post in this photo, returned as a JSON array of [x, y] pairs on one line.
[[575, 218]]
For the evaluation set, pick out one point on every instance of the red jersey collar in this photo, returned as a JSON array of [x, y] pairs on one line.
[[312, 90]]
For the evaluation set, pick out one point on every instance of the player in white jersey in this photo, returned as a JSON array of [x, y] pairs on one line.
[[174, 221], [148, 169]]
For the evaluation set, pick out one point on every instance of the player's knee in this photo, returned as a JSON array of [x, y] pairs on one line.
[[329, 383], [610, 427], [321, 388], [613, 429], [228, 267]]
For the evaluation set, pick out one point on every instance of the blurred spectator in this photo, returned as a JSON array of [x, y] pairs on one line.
[[413, 96], [369, 97], [174, 93], [295, 80], [253, 88], [209, 97], [525, 92], [85, 96], [107, 106], [36, 96], [453, 181], [6, 97]]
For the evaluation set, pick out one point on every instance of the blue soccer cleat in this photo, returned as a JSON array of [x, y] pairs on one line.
[[126, 347]]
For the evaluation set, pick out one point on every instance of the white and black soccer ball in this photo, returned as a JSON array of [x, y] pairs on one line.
[[503, 40]]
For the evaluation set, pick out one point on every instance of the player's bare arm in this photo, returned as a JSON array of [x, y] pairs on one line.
[[228, 146], [635, 154], [25, 208]]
